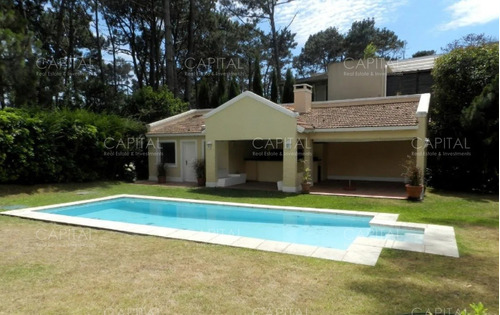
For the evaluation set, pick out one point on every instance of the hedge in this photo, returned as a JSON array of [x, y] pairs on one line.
[[64, 146]]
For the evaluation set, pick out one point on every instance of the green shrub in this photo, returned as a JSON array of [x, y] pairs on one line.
[[62, 146]]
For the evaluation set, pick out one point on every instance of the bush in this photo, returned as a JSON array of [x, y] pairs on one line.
[[464, 110], [63, 146]]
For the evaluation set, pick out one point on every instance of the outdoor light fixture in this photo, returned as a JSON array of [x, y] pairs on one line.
[[209, 145], [288, 143]]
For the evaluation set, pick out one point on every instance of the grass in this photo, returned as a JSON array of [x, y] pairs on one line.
[[51, 268]]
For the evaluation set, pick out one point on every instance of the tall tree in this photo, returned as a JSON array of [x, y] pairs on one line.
[[319, 51], [462, 113], [258, 10], [288, 88], [169, 48], [234, 89], [257, 79], [274, 87], [203, 100], [468, 40], [329, 46]]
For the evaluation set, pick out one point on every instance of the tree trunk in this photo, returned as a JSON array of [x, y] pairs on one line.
[[99, 52], [113, 52], [187, 87], [169, 49], [276, 55]]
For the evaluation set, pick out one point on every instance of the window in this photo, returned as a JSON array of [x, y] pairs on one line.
[[168, 152]]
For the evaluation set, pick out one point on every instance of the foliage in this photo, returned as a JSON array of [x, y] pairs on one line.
[[203, 100], [319, 51], [469, 40], [199, 168], [274, 87], [370, 51], [148, 105], [329, 46], [288, 88], [62, 146], [464, 109], [412, 173], [478, 309], [234, 89], [257, 79], [422, 53], [161, 170], [129, 174]]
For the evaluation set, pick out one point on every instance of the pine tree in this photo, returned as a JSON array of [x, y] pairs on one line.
[[221, 90], [288, 88], [203, 100], [257, 79], [234, 89], [274, 87]]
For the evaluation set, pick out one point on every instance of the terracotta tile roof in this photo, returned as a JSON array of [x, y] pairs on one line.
[[362, 115], [392, 112], [188, 122]]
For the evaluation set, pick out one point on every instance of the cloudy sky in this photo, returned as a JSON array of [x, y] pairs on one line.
[[424, 24]]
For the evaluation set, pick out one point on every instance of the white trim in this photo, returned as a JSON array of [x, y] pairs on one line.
[[174, 179], [367, 178], [362, 140], [423, 105], [172, 135], [349, 129], [154, 178], [158, 150], [289, 189], [169, 119], [300, 129], [255, 97], [183, 165]]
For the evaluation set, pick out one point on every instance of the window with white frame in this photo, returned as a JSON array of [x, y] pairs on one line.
[[168, 153]]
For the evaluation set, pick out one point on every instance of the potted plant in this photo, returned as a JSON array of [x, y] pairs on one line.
[[306, 180], [162, 174], [199, 168], [414, 177]]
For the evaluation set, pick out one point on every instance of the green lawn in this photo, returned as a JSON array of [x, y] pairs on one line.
[[51, 268]]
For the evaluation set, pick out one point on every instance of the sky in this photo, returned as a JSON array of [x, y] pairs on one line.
[[423, 24]]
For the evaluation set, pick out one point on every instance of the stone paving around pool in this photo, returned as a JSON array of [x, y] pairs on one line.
[[438, 239]]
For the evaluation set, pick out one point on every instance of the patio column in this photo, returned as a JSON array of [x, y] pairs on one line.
[[308, 155], [211, 163], [290, 176], [421, 145]]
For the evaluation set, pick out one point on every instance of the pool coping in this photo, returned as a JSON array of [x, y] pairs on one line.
[[438, 239]]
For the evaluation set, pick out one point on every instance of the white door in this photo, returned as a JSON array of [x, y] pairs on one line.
[[188, 159]]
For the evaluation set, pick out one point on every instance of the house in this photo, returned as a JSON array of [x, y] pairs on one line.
[[250, 138], [374, 77]]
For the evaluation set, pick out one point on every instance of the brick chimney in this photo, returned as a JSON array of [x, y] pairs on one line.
[[302, 98]]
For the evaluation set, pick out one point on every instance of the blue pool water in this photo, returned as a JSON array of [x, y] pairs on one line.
[[310, 228]]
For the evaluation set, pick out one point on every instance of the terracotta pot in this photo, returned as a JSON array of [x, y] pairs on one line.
[[201, 181], [414, 192], [162, 179], [306, 187]]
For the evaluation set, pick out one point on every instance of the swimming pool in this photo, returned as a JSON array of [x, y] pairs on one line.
[[300, 227], [343, 235]]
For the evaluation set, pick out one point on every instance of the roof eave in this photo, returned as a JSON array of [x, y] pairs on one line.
[[353, 129], [254, 97]]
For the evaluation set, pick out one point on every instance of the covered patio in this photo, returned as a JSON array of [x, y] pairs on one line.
[[365, 189]]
